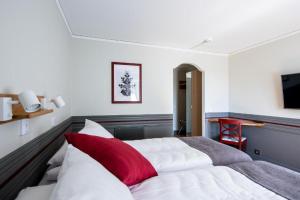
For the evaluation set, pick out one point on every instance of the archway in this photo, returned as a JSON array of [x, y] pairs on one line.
[[188, 100]]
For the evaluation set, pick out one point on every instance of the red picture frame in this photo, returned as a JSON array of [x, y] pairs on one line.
[[126, 83]]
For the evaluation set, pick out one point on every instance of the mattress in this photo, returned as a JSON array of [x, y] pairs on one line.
[[216, 183]]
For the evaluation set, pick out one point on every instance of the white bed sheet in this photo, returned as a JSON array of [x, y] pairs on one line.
[[170, 154], [216, 183], [36, 193]]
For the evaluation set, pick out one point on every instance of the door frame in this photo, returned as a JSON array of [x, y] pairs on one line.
[[203, 96]]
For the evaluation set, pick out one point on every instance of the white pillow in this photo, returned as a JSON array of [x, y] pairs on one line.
[[83, 178], [93, 128], [58, 157], [36, 193], [71, 159], [52, 174], [90, 128]]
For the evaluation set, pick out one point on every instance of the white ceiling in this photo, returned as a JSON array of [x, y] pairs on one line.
[[234, 25]]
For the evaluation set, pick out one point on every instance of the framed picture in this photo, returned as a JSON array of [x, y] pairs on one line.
[[126, 82]]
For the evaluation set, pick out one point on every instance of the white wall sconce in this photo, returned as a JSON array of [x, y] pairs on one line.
[[57, 101], [29, 101], [6, 108], [28, 105]]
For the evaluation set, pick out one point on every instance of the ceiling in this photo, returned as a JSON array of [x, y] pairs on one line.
[[234, 25]]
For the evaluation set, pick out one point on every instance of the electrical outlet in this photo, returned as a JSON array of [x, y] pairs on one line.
[[24, 127], [257, 152], [53, 121]]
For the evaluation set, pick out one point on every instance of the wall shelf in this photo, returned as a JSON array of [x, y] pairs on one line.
[[19, 113], [28, 116]]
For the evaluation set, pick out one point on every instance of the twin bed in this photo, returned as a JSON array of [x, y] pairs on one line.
[[188, 168]]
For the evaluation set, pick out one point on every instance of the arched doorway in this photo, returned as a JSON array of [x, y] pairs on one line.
[[188, 100]]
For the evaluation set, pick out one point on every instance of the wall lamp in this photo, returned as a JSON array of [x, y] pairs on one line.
[[57, 101], [6, 108], [28, 101]]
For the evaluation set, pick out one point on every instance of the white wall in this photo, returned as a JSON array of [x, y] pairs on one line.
[[34, 54], [255, 82], [91, 74]]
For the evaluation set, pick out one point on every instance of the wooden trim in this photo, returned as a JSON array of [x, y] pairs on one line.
[[244, 122], [113, 80], [197, 103]]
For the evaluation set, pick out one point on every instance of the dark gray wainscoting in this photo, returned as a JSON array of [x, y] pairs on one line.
[[25, 166], [130, 127], [278, 141]]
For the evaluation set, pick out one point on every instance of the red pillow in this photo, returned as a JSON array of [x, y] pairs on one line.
[[119, 158]]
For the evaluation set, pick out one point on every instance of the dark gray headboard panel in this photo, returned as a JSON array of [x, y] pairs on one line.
[[25, 166], [131, 127]]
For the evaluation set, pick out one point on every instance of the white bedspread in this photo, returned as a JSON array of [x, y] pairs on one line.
[[216, 183], [170, 154]]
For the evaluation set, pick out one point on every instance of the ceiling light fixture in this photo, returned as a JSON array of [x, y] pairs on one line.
[[205, 41]]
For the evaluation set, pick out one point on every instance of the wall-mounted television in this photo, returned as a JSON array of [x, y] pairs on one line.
[[291, 90]]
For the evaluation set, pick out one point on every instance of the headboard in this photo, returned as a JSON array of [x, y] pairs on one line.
[[25, 166]]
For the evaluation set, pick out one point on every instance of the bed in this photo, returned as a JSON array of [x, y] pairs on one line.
[[233, 182], [171, 153], [188, 168]]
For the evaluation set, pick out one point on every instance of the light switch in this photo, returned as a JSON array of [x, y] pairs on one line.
[[24, 127], [53, 121]]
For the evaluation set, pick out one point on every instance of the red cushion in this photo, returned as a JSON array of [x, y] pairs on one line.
[[118, 157]]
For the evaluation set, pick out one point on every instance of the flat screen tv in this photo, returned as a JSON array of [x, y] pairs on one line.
[[291, 90]]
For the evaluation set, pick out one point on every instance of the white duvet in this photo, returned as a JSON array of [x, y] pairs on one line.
[[216, 183], [171, 154]]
